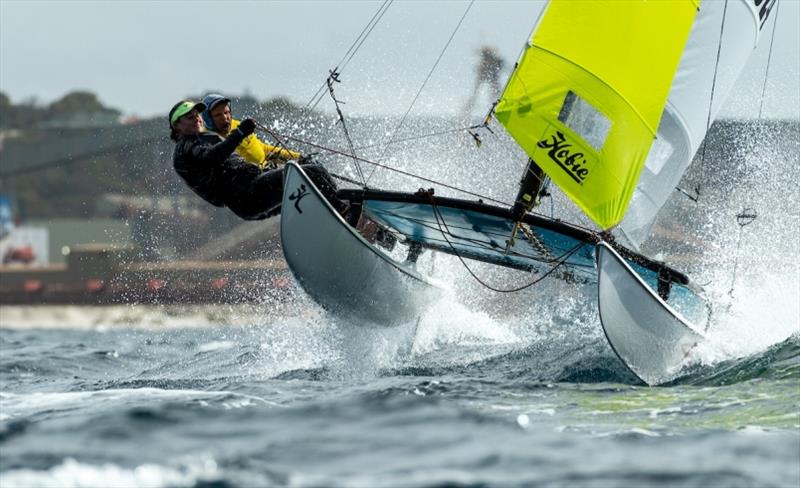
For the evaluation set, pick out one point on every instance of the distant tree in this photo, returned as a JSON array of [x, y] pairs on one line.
[[19, 116], [274, 108], [245, 105], [5, 111], [79, 102], [279, 106], [79, 109]]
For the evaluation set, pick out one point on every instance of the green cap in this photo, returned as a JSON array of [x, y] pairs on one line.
[[182, 108]]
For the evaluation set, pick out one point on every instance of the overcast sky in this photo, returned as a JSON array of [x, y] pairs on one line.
[[142, 56]]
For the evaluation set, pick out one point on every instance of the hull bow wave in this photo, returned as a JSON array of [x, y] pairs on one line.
[[647, 334]]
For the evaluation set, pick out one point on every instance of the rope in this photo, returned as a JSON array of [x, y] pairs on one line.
[[769, 59], [430, 73], [334, 78], [317, 97], [743, 218], [330, 150], [374, 163], [539, 245], [710, 105], [441, 222], [474, 242], [691, 197], [426, 136], [277, 137]]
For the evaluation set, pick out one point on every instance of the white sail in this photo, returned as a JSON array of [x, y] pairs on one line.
[[708, 70]]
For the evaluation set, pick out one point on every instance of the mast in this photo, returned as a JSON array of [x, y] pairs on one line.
[[531, 190]]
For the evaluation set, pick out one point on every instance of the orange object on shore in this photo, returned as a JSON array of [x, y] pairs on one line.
[[220, 283], [33, 286], [95, 285], [156, 284], [24, 254]]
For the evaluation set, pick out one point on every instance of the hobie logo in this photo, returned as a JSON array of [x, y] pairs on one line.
[[297, 196], [764, 7], [566, 155]]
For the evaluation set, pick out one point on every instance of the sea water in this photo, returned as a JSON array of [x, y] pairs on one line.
[[227, 396], [485, 390]]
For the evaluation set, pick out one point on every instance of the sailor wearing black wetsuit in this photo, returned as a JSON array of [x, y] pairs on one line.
[[208, 164]]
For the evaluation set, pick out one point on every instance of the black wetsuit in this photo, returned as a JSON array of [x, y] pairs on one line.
[[208, 164]]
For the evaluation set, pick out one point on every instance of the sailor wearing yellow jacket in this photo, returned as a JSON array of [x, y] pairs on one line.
[[206, 161], [218, 118]]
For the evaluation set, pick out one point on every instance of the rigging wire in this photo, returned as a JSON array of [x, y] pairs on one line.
[[546, 258], [748, 215], [769, 59], [427, 136], [427, 78], [743, 218], [440, 221], [334, 78], [710, 108], [347, 61], [383, 166], [278, 137], [359, 41], [321, 148], [528, 43]]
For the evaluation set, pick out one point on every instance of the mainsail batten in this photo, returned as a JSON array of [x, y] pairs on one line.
[[576, 106]]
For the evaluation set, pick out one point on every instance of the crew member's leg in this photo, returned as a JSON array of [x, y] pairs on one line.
[[324, 181], [263, 195], [260, 198]]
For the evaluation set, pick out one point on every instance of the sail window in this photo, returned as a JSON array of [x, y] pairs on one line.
[[659, 154], [585, 120]]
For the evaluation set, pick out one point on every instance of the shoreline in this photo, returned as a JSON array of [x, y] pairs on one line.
[[148, 317]]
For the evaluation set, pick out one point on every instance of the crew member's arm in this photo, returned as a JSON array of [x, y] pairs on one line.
[[278, 153], [216, 153], [255, 151]]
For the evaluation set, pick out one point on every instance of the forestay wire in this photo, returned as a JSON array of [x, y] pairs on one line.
[[422, 87], [333, 77], [317, 97], [769, 60], [696, 196]]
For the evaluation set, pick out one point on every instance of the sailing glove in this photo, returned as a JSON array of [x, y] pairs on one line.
[[247, 127]]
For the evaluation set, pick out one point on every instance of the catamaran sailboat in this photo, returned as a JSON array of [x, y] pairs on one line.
[[610, 100]]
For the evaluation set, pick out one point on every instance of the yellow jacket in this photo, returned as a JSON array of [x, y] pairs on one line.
[[260, 153]]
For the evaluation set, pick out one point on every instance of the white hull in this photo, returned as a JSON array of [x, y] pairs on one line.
[[338, 268], [650, 337]]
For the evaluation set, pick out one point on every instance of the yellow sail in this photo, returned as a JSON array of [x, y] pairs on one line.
[[585, 99]]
